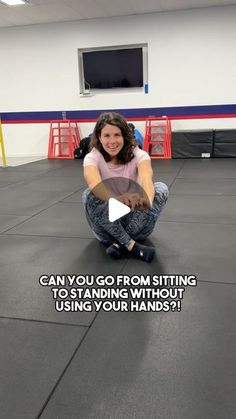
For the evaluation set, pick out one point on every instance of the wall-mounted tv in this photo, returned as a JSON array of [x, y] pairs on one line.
[[110, 68]]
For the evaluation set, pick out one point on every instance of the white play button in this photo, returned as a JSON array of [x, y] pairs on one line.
[[116, 209]]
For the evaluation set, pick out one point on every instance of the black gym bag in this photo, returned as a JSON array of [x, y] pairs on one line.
[[83, 149]]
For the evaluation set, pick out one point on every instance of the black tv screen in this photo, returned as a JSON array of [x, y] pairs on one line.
[[109, 69]]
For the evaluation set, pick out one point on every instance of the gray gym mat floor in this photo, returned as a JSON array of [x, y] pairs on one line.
[[117, 365]]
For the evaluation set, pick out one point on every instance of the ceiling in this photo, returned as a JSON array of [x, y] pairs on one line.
[[48, 11]]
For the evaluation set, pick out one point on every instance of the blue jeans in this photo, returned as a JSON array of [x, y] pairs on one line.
[[137, 225]]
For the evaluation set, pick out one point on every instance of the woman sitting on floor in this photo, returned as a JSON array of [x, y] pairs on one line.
[[116, 168]]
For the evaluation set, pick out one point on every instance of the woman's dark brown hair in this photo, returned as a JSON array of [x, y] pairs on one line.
[[113, 118]]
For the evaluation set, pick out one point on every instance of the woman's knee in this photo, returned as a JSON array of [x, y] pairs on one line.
[[137, 221], [162, 189], [161, 193], [85, 194], [94, 206], [144, 233]]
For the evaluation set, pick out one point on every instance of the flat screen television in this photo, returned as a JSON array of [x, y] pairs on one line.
[[113, 68]]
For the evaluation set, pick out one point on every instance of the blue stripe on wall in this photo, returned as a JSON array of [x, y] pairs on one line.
[[181, 111]]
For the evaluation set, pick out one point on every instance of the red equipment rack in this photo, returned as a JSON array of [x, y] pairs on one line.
[[64, 137], [157, 138]]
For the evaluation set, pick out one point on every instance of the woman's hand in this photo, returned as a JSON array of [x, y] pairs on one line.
[[134, 201]]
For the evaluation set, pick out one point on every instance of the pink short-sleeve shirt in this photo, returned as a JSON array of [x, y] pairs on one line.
[[107, 169]]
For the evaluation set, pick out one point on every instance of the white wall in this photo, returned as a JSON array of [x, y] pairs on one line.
[[191, 61]]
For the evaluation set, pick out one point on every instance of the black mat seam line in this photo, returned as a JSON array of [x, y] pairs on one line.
[[186, 177], [13, 215], [196, 222], [10, 184], [21, 319], [202, 195], [43, 209], [67, 366], [34, 177], [22, 182], [215, 282], [63, 373], [7, 234], [25, 184], [4, 214], [198, 280], [42, 236], [176, 176], [71, 202], [32, 215]]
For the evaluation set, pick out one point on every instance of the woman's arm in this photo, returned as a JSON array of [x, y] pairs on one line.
[[95, 184], [99, 189], [145, 173]]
